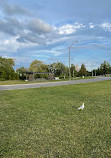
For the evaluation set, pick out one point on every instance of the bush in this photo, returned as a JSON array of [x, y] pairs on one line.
[[2, 79]]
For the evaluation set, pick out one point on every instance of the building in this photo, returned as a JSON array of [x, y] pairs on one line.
[[77, 68]]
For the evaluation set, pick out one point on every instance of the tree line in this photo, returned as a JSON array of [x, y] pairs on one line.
[[7, 71]]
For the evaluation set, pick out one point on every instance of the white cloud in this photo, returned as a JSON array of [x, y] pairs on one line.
[[32, 31], [91, 26], [12, 45], [59, 48], [52, 40], [8, 57], [51, 52], [69, 29], [106, 26]]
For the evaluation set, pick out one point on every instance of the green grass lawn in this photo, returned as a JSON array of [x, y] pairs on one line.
[[10, 82], [45, 122]]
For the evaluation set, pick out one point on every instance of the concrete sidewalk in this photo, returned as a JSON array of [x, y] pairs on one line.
[[47, 84]]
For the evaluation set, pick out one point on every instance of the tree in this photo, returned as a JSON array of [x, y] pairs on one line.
[[38, 66], [6, 69], [59, 69], [97, 71], [82, 71], [22, 72], [105, 68], [73, 70], [110, 70]]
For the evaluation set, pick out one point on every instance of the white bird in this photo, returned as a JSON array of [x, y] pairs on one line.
[[81, 107]]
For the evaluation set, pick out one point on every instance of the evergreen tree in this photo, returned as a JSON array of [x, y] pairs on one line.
[[82, 71]]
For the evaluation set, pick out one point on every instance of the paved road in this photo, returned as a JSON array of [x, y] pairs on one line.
[[47, 84]]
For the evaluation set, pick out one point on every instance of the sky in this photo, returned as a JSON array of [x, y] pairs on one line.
[[45, 29]]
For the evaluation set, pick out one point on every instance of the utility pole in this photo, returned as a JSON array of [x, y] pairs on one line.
[[92, 73], [69, 65], [73, 73], [95, 72], [69, 60]]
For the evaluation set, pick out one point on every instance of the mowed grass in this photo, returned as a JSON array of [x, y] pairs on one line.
[[45, 122]]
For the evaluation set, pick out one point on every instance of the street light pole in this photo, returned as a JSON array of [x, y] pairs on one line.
[[69, 65], [92, 73], [73, 73], [69, 60], [95, 72]]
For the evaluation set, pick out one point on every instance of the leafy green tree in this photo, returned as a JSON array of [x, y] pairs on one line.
[[82, 71], [6, 69], [105, 68], [73, 70], [59, 69], [97, 71], [110, 70], [38, 66], [22, 72]]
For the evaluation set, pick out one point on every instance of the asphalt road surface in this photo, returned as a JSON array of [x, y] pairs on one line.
[[47, 84]]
